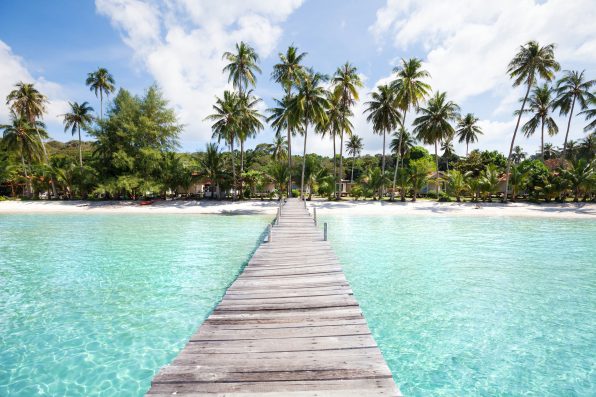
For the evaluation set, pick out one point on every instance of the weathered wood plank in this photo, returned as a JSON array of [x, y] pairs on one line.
[[288, 326]]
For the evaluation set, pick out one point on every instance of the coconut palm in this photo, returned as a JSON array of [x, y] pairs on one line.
[[279, 173], [101, 82], [410, 91], [580, 176], [590, 113], [587, 147], [383, 114], [539, 105], [354, 147], [409, 141], [517, 180], [242, 66], [287, 73], [530, 62], [346, 83], [434, 124], [79, 116], [468, 130], [26, 101], [212, 165], [549, 151], [457, 185], [448, 149], [249, 121], [519, 155], [279, 148], [489, 181], [309, 106]]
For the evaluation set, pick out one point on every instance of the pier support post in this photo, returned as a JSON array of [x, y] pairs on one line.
[[314, 211], [325, 231], [269, 233]]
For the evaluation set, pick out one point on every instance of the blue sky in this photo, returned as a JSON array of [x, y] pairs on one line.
[[465, 44]]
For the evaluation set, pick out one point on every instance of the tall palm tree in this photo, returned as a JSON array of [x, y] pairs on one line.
[[530, 62], [354, 147], [26, 101], [79, 116], [539, 105], [410, 90], [571, 88], [519, 155], [242, 66], [434, 124], [383, 114], [249, 121], [279, 148], [225, 127], [409, 141], [448, 149], [309, 106], [590, 113], [19, 136], [346, 83], [287, 73], [101, 82], [468, 130]]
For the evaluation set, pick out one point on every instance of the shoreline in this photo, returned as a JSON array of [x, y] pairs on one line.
[[324, 207]]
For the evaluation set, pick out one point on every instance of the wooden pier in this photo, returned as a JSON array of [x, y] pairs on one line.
[[288, 326]]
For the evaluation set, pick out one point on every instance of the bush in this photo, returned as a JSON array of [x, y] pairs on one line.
[[295, 192], [432, 195], [2, 198], [444, 197], [357, 192]]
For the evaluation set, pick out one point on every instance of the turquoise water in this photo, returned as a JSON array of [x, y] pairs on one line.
[[96, 304], [464, 306]]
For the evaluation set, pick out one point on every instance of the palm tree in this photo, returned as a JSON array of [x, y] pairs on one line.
[[279, 149], [468, 130], [212, 165], [383, 114], [249, 121], [346, 82], [226, 125], [457, 185], [540, 104], [409, 141], [309, 106], [26, 101], [517, 180], [434, 125], [572, 88], [79, 116], [531, 61], [410, 91], [101, 82], [489, 181], [242, 66], [281, 119], [448, 149], [287, 73], [19, 136], [587, 147], [519, 155], [354, 147], [579, 176], [549, 151], [590, 113], [279, 174]]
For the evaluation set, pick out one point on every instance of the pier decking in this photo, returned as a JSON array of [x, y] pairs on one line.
[[288, 326]]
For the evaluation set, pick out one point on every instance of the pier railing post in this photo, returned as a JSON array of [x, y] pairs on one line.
[[314, 211], [277, 217], [325, 231], [269, 233]]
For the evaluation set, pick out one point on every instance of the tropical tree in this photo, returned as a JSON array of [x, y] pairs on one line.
[[517, 180], [403, 181], [375, 179], [26, 101], [249, 121], [346, 83], [448, 149], [468, 130], [410, 90], [489, 181], [279, 150], [434, 124], [409, 141], [308, 106], [279, 174], [571, 88], [101, 82], [79, 116], [241, 66], [282, 119], [540, 104], [580, 177], [287, 73], [418, 172], [383, 114], [590, 113], [549, 151], [519, 155], [212, 166], [530, 62], [354, 147], [457, 184]]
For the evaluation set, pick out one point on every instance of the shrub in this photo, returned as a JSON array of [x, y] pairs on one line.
[[432, 195], [295, 192], [357, 192], [444, 197]]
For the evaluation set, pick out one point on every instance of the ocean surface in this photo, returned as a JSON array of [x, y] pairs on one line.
[[477, 306], [460, 306]]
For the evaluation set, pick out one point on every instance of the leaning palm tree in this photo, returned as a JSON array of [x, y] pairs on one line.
[[530, 62], [410, 90], [225, 126], [26, 101], [308, 107], [79, 116], [346, 83], [354, 147], [434, 124], [572, 88], [383, 114], [101, 82], [242, 66], [468, 130], [287, 73], [539, 105]]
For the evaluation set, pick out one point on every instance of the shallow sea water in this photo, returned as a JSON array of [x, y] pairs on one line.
[[472, 306], [96, 304]]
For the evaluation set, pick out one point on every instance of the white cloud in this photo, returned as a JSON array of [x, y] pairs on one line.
[[181, 42], [13, 70]]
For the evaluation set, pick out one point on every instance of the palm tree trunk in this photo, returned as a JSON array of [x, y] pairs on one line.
[[353, 161], [241, 167], [290, 162], [334, 167], [340, 174], [513, 140], [45, 156], [383, 160], [233, 170], [100, 105], [467, 145], [542, 141], [303, 163], [397, 157], [80, 150], [437, 164], [28, 181], [568, 126]]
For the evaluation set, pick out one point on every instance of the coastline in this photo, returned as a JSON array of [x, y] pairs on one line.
[[266, 207]]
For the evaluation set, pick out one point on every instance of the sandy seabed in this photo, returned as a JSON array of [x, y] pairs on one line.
[[554, 210]]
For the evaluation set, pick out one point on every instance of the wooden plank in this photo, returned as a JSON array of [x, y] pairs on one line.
[[288, 326]]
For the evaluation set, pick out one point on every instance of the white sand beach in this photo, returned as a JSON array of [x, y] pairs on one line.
[[551, 210]]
